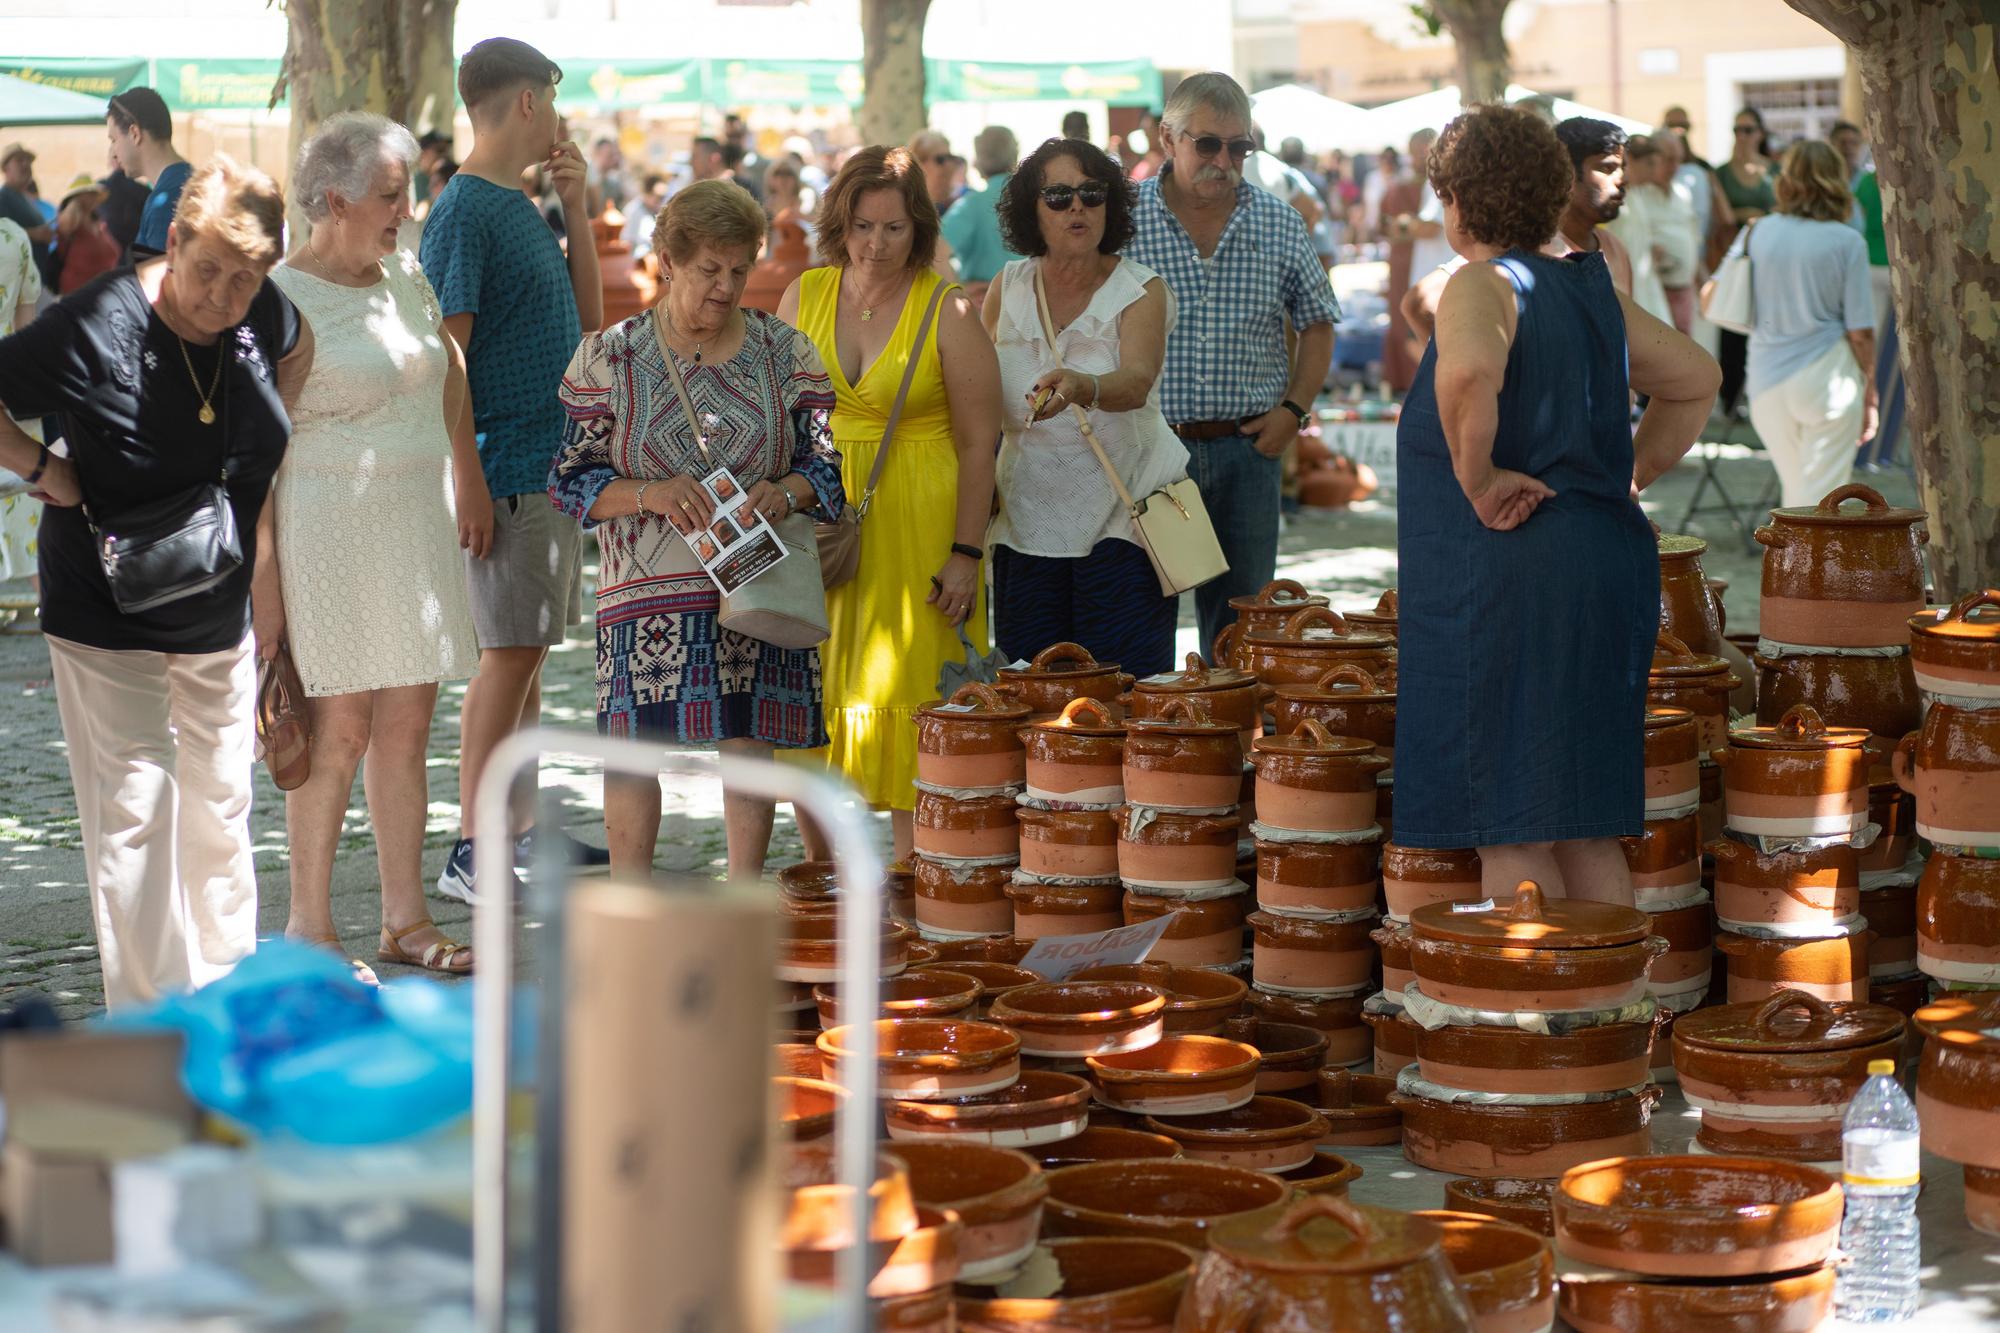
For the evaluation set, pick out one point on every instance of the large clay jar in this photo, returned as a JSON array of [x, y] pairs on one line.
[[1206, 932], [1956, 651], [1797, 1303], [1894, 812], [996, 1192], [1832, 969], [1070, 1020], [1607, 1058], [1952, 766], [1265, 1134], [1317, 878], [955, 901], [1383, 618], [1359, 1109], [1665, 861], [1801, 892], [1180, 1200], [1330, 1264], [1308, 956], [1069, 844], [1842, 578], [972, 740], [1506, 1272], [1064, 909], [1774, 1079], [1533, 953], [1264, 613], [1170, 853], [1315, 782], [1958, 1086], [1183, 759], [1078, 757], [1698, 682], [1705, 1217], [966, 828], [1062, 672], [1877, 694], [1106, 1285], [1414, 877], [1312, 641], [1673, 751], [1535, 1141], [1689, 609], [1798, 779], [1347, 700], [1231, 695], [1337, 1017], [1199, 1001], [1958, 919]]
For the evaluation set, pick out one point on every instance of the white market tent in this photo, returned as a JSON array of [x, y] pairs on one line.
[[1292, 111], [1393, 124]]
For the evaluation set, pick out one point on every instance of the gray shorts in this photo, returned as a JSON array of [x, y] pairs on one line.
[[529, 589]]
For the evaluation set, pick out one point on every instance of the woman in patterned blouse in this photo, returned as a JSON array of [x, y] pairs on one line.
[[666, 671]]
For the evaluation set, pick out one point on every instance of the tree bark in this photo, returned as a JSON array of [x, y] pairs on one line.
[[393, 57], [892, 69], [1932, 97], [1484, 67]]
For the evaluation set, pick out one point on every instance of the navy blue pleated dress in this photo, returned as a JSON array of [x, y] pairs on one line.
[[1524, 654]]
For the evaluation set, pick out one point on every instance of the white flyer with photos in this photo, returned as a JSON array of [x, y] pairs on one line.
[[739, 543]]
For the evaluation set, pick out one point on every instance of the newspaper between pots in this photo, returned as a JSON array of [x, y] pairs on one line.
[[1192, 895], [1235, 969], [1433, 1014], [1775, 648], [1681, 997], [1310, 914], [1796, 1115], [967, 793], [1673, 812], [1034, 798], [1059, 957], [1411, 1083], [1064, 881], [1657, 898], [1839, 929], [1262, 832], [1981, 852], [1383, 1002], [1902, 969], [962, 869], [1972, 702], [1139, 816], [1312, 992], [1904, 876], [1770, 844]]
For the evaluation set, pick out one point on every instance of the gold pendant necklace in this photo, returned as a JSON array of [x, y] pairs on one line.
[[207, 414]]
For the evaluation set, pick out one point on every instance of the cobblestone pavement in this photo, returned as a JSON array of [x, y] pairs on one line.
[[46, 942]]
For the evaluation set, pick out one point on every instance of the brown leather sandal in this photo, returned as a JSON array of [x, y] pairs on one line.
[[445, 956]]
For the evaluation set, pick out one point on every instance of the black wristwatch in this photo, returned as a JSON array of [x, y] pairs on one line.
[[967, 550], [1305, 417], [41, 466]]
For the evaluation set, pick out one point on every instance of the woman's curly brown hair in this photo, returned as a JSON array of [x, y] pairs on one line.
[[1508, 174]]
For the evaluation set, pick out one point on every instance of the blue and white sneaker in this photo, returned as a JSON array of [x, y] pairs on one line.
[[456, 880], [572, 849]]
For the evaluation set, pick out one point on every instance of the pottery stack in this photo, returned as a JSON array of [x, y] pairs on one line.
[[1067, 881], [1412, 878], [1533, 1030], [1666, 866], [970, 769], [1958, 1096]]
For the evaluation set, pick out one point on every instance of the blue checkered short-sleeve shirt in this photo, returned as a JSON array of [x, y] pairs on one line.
[[1226, 357]]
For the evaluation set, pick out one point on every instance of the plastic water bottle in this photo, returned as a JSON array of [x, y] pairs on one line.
[[1878, 1234]]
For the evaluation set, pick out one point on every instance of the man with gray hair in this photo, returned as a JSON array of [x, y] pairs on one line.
[[972, 228], [1241, 268]]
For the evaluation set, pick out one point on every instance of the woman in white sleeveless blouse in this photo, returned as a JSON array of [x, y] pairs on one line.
[[1067, 565]]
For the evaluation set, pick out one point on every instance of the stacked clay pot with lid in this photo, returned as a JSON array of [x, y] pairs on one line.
[[1060, 673], [1348, 700], [1264, 613], [1231, 695], [971, 766], [1310, 642], [1958, 920], [1665, 860], [1955, 652], [1840, 576], [1958, 1096]]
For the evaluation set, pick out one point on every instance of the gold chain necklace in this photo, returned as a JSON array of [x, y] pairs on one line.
[[207, 413], [868, 310]]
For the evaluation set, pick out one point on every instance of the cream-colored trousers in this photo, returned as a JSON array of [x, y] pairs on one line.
[[161, 751], [1811, 425]]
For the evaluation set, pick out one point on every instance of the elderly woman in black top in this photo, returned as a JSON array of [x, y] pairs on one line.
[[167, 376]]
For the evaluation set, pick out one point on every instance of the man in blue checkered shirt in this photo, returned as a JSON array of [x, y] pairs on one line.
[[1241, 267]]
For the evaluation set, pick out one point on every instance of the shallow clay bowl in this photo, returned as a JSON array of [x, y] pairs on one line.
[[1107, 1283], [996, 1192], [1173, 1200], [1105, 1143], [995, 979], [1198, 1000], [806, 1106], [931, 993], [984, 949], [1697, 1216], [1507, 1273], [1289, 1057], [1074, 1019], [1326, 1173], [1041, 1108], [797, 1059], [1525, 1203], [1178, 1076], [1357, 1109], [928, 1059], [1265, 1134], [1800, 1303]]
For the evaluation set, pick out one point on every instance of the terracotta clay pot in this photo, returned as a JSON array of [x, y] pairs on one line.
[[1894, 811], [1982, 1200], [1330, 1264], [1710, 815], [1414, 877], [1698, 682], [1891, 914], [1199, 1000], [995, 979], [1835, 969], [1183, 758], [1317, 878], [1069, 844], [1774, 1079], [1842, 578], [1392, 948], [1315, 781], [1326, 1173], [1798, 1303], [966, 828], [1705, 1217], [971, 740], [1062, 672], [1077, 756], [1800, 778], [1665, 862], [931, 1059], [1877, 694], [927, 994], [1347, 700], [1042, 1107], [809, 948], [1108, 1284], [963, 900], [1535, 954], [1506, 1273], [1265, 613], [1273, 1134], [1673, 782], [1958, 1080], [1952, 766], [1608, 1058], [1681, 977], [996, 1192], [1958, 919], [1231, 695], [1073, 1019], [1524, 1203], [1383, 618], [1064, 909], [1177, 1076], [1337, 1017], [1180, 1200], [1206, 932], [1358, 1109], [1956, 651], [1395, 1040], [1821, 887], [1689, 609], [1105, 1143], [1473, 1139], [1165, 851], [806, 1106], [1289, 1055], [1311, 641], [1311, 956]]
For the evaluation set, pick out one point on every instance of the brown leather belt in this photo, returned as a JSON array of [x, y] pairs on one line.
[[1211, 430]]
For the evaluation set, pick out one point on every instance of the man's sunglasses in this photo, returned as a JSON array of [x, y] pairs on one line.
[[1091, 193], [1208, 145]]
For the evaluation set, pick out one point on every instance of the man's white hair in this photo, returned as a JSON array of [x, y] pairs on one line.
[[1212, 91]]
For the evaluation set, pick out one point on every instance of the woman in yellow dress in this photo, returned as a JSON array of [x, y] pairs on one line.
[[922, 544]]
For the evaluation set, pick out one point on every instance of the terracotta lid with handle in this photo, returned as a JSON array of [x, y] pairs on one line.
[[1345, 682], [1311, 737], [1082, 717], [1534, 922], [1182, 715], [1387, 608], [1319, 624], [1789, 1022], [1834, 508], [1060, 661], [1325, 1234], [977, 699], [1278, 592], [1196, 677], [1671, 657], [1962, 619], [1801, 728]]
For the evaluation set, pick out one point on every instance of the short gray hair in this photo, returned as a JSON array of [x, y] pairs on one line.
[[343, 157], [995, 151], [1213, 91]]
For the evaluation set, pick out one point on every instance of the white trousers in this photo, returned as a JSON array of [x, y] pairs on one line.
[[1811, 424], [161, 751]]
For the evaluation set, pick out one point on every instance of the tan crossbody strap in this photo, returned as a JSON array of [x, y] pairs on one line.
[[1082, 417], [902, 396]]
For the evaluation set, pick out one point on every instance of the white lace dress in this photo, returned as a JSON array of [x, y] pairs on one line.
[[375, 588]]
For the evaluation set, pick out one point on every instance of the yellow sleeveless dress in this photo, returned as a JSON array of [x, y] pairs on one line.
[[880, 664]]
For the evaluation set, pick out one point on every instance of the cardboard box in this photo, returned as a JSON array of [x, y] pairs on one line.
[[57, 1180], [133, 1071]]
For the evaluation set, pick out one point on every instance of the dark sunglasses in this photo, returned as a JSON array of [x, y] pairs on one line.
[[1092, 194], [1208, 145]]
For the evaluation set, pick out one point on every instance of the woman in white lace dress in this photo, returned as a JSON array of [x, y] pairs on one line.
[[1067, 565], [381, 490]]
